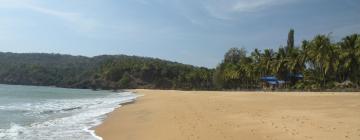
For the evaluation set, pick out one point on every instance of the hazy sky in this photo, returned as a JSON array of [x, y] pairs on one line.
[[196, 32]]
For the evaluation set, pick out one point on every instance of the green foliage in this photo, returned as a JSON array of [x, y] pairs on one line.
[[126, 81], [101, 72], [234, 55], [324, 64]]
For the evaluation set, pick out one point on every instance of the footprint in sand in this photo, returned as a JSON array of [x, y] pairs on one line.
[[252, 131]]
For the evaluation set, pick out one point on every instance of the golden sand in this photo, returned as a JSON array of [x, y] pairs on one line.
[[213, 115]]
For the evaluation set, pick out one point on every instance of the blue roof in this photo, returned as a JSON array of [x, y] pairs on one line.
[[269, 78], [272, 82]]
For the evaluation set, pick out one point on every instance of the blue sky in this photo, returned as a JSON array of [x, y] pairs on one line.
[[196, 32]]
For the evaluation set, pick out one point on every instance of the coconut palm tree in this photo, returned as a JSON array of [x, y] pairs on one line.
[[267, 60], [350, 57], [281, 63], [322, 57]]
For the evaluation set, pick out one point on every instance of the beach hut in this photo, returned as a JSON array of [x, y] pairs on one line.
[[271, 82]]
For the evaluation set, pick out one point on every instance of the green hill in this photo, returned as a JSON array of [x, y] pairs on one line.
[[100, 72]]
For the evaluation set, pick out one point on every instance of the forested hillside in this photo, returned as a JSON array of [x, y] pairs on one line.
[[100, 72], [320, 62]]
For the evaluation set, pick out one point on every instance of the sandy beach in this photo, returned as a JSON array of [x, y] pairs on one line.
[[207, 115]]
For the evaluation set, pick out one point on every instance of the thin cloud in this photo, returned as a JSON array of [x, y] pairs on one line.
[[225, 10], [77, 20], [257, 5]]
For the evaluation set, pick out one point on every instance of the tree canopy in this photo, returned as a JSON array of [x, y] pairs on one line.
[[100, 72], [324, 64]]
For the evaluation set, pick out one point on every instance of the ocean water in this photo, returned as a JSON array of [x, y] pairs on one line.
[[48, 113]]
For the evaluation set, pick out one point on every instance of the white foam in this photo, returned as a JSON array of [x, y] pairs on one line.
[[76, 126], [14, 131]]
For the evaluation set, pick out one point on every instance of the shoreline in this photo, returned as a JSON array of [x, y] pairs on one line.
[[55, 113], [215, 115], [92, 130]]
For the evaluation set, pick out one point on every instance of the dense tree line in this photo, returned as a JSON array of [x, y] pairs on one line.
[[323, 63], [101, 72]]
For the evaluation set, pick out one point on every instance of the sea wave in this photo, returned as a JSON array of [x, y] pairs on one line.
[[65, 119]]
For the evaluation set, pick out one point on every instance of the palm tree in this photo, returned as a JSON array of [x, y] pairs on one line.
[[267, 60], [256, 57], [350, 57], [303, 54], [257, 67], [248, 73], [322, 57], [281, 63], [320, 61]]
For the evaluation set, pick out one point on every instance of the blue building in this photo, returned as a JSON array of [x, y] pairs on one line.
[[271, 82]]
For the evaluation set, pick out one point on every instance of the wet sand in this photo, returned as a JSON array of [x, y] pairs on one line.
[[213, 115]]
